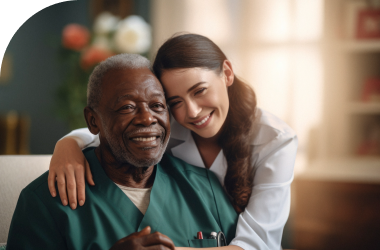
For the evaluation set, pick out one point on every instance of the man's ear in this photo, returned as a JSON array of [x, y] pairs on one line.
[[91, 120], [228, 73]]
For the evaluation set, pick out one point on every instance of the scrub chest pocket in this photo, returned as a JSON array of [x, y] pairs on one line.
[[202, 243]]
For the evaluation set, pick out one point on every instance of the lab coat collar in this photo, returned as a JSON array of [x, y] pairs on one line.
[[178, 132], [188, 151], [183, 134]]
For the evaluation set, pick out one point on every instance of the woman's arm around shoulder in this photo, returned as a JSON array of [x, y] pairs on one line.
[[273, 158], [68, 167]]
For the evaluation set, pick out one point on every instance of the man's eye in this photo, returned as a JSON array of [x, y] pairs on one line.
[[200, 91], [127, 108], [158, 107]]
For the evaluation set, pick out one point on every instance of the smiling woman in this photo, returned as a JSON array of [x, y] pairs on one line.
[[201, 97]]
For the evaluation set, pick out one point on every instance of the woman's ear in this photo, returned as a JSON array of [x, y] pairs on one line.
[[91, 120], [228, 73]]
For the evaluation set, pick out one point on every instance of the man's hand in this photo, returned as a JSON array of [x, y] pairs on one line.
[[144, 240]]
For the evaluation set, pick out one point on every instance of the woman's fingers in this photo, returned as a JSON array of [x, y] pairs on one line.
[[61, 183], [88, 173], [81, 186], [51, 183], [71, 186]]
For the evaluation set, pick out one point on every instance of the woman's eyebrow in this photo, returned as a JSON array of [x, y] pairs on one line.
[[189, 90], [172, 98], [194, 86]]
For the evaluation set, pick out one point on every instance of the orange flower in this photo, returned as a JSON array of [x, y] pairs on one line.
[[75, 37], [93, 56]]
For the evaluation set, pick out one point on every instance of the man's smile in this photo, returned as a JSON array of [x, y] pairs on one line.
[[147, 137], [144, 138]]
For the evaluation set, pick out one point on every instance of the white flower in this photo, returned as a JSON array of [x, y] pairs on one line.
[[133, 35], [101, 42], [105, 23]]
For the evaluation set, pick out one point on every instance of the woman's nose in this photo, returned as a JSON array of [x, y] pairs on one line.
[[144, 117], [193, 109]]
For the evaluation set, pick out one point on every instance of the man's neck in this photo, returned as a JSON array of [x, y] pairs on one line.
[[125, 174]]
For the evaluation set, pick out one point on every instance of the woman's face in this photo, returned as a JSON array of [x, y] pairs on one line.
[[198, 97]]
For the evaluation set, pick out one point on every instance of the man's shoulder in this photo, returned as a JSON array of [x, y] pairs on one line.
[[39, 184]]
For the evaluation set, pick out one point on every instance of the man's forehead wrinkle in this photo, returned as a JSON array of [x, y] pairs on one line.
[[127, 96], [134, 95]]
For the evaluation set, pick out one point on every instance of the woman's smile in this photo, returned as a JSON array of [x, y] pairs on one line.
[[203, 122]]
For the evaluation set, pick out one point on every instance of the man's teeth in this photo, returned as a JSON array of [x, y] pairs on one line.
[[144, 138], [203, 121]]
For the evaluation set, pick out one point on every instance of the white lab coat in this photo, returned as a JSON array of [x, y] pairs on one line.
[[273, 156]]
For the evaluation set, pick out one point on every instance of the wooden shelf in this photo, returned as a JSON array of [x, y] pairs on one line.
[[364, 108], [360, 46], [351, 169]]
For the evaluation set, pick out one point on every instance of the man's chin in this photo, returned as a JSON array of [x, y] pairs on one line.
[[144, 157], [144, 162]]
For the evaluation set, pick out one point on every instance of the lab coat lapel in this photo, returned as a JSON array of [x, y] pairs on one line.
[[219, 167], [158, 197], [114, 194], [187, 150]]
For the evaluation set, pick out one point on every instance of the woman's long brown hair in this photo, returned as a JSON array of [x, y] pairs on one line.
[[190, 51]]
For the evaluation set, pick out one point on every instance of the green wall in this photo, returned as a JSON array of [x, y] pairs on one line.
[[36, 69]]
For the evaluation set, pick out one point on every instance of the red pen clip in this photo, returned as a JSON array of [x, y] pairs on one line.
[[200, 235]]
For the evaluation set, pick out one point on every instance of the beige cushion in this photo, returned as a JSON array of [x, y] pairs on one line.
[[16, 172]]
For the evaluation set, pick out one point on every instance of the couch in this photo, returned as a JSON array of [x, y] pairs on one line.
[[16, 172]]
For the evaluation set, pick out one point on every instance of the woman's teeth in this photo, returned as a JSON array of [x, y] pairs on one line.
[[203, 121], [144, 138]]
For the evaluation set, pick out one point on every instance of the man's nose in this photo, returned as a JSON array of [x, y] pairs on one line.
[[144, 117], [193, 109]]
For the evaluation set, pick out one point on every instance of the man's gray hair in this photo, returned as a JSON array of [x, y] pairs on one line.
[[121, 61]]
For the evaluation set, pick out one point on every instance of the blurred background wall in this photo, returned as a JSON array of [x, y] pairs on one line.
[[32, 71], [35, 72], [313, 63]]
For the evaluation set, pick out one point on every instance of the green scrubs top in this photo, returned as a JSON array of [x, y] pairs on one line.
[[184, 200]]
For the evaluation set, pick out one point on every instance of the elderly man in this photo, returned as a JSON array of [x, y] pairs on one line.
[[137, 185]]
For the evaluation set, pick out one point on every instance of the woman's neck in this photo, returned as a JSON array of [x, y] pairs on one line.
[[207, 147]]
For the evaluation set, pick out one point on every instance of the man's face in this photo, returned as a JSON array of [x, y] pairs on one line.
[[134, 117]]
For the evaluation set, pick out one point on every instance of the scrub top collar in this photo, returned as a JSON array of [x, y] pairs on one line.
[[115, 195]]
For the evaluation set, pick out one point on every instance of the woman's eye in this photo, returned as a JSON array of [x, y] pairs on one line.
[[173, 104], [200, 91]]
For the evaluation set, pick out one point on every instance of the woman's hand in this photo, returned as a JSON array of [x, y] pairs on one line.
[[68, 166]]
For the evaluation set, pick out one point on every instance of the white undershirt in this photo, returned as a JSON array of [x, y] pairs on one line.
[[139, 196]]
